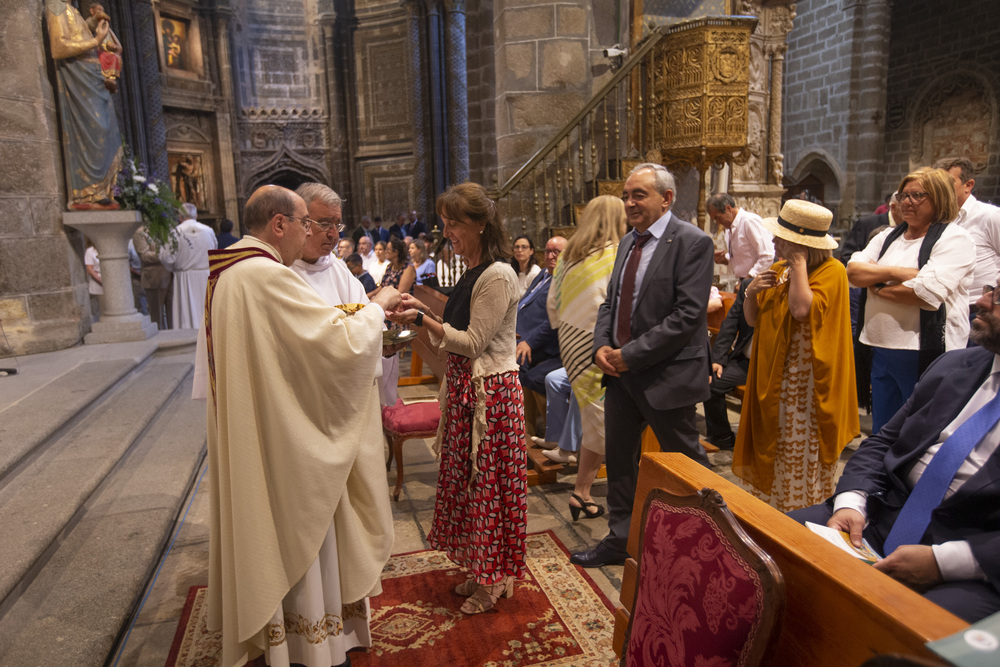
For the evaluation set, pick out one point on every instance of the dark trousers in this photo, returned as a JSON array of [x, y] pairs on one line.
[[716, 416], [969, 600], [626, 414], [532, 376]]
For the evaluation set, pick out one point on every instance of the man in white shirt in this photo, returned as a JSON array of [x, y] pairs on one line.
[[344, 248], [980, 219], [749, 247], [367, 252], [955, 558]]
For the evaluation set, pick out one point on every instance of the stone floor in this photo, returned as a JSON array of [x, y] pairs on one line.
[[148, 642]]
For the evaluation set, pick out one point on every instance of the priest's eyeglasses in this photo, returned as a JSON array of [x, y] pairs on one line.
[[328, 224], [305, 222], [988, 289]]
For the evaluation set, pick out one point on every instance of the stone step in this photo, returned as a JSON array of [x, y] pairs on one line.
[[35, 418], [41, 499], [76, 605]]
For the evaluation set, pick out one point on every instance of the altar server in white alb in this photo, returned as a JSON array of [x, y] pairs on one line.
[[300, 519], [331, 278], [189, 262]]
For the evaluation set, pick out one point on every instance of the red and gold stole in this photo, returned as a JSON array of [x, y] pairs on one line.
[[219, 261]]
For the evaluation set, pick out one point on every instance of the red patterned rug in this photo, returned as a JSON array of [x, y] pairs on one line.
[[556, 617]]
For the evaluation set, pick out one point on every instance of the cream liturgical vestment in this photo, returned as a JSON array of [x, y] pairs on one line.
[[189, 263], [300, 512]]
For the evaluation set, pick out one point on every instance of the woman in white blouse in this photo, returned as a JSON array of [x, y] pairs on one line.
[[524, 263], [916, 306]]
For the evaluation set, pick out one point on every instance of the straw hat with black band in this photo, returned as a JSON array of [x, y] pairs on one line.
[[804, 223]]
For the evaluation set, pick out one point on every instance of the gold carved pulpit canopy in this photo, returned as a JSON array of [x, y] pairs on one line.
[[701, 76]]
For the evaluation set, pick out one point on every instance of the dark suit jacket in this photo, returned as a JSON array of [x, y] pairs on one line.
[[857, 238], [533, 320], [668, 356], [415, 228], [366, 280], [734, 333], [396, 231], [881, 464], [361, 231]]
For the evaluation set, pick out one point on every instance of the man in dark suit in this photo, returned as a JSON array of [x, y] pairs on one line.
[[365, 229], [955, 561], [415, 227], [538, 343], [651, 341], [730, 363]]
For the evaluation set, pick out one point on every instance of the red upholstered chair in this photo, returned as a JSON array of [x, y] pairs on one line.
[[402, 422], [706, 594]]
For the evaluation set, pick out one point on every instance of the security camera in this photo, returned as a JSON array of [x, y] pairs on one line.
[[615, 52]]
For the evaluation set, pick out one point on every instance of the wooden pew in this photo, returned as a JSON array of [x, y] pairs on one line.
[[838, 611]]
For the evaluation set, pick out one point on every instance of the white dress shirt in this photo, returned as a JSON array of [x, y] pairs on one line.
[[750, 247], [954, 559], [982, 221], [945, 278]]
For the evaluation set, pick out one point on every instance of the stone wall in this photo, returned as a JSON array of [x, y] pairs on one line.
[[482, 94], [817, 90], [43, 292], [944, 88]]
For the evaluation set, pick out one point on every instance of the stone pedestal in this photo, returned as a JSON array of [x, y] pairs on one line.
[[110, 231]]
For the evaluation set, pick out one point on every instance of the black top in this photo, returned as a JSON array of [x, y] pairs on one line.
[[457, 312]]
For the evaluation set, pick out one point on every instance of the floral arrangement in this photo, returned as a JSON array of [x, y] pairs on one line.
[[136, 191]]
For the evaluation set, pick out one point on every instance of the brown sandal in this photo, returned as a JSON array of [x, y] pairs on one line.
[[467, 587], [486, 596]]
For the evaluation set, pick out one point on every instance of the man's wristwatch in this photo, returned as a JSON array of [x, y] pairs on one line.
[[419, 321]]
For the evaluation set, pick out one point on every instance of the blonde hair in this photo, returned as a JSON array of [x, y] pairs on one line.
[[602, 224], [940, 188]]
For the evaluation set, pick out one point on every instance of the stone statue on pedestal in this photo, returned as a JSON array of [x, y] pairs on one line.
[[91, 141]]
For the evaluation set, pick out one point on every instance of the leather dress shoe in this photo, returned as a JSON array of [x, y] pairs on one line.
[[599, 556]]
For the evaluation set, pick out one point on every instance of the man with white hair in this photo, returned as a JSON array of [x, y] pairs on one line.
[[187, 256], [367, 252], [331, 278]]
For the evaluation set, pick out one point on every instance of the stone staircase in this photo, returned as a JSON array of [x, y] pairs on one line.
[[94, 467]]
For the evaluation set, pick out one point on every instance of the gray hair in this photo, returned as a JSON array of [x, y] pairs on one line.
[[189, 211], [719, 202], [663, 179], [311, 192]]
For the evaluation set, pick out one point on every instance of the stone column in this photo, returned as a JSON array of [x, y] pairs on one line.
[[418, 97], [774, 156], [224, 115], [437, 105], [43, 286], [110, 231], [457, 90], [866, 121], [144, 23]]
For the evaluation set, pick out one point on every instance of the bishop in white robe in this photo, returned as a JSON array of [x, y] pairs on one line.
[[188, 261]]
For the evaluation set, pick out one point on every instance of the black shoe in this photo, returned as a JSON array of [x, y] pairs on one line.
[[722, 443], [585, 507], [599, 556]]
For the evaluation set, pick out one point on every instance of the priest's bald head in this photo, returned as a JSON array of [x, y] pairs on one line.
[[278, 216]]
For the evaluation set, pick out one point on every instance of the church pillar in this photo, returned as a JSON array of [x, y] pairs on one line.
[[224, 115], [422, 184], [866, 121], [440, 153], [457, 91], [774, 156], [149, 93]]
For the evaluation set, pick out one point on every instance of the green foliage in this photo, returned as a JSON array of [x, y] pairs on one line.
[[153, 199]]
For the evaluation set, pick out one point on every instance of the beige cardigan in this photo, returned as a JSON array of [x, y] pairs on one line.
[[489, 342]]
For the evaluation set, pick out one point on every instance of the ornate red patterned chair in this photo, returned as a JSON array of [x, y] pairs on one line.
[[402, 422], [706, 593]]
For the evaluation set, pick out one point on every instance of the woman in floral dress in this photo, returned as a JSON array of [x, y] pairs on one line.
[[481, 509]]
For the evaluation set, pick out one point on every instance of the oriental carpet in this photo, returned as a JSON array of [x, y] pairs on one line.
[[556, 617]]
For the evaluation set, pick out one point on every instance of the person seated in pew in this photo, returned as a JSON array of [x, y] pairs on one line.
[[924, 490], [730, 363], [538, 343]]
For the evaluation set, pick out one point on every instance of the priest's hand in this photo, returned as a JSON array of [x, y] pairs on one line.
[[388, 298], [913, 565]]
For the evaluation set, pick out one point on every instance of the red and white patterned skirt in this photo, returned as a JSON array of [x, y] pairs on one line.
[[481, 526]]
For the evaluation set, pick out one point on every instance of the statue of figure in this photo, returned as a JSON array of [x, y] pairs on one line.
[[109, 51], [91, 140]]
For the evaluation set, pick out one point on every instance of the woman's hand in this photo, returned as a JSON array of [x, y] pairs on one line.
[[764, 280], [410, 301], [795, 255], [402, 316]]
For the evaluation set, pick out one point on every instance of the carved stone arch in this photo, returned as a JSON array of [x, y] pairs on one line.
[[187, 133], [287, 166], [818, 165], [955, 114]]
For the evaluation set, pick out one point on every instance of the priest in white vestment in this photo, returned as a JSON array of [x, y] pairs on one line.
[[189, 263], [300, 519], [331, 278]]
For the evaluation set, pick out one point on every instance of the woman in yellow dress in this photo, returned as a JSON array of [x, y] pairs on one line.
[[800, 408]]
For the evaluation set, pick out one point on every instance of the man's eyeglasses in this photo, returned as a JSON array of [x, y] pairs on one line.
[[987, 289], [327, 225], [915, 197], [552, 251]]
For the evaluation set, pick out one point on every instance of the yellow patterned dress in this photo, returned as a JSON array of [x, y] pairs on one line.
[[800, 409]]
